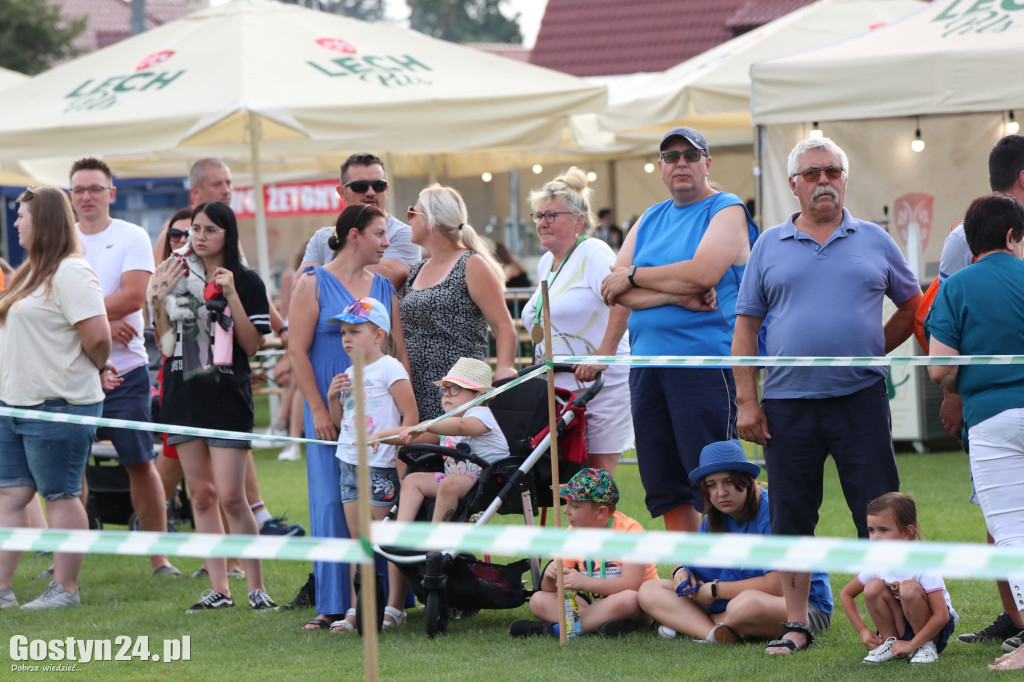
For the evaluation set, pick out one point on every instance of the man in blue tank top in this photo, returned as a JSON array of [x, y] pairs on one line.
[[681, 254], [822, 276]]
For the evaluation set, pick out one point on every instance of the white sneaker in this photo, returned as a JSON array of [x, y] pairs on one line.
[[290, 453], [881, 653], [666, 632], [263, 443], [53, 597], [7, 598], [925, 654]]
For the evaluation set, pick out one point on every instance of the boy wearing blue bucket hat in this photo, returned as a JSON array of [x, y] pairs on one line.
[[725, 605]]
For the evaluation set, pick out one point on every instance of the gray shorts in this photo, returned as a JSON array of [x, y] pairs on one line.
[[179, 438], [820, 621]]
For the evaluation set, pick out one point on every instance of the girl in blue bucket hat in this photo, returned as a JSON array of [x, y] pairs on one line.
[[727, 605]]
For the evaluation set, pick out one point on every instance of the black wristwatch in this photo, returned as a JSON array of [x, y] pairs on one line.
[[629, 275], [714, 589]]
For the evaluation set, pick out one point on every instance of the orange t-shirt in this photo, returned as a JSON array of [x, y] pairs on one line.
[[612, 568]]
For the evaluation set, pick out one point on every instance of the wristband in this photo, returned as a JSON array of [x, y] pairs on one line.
[[282, 330], [714, 589], [629, 275]]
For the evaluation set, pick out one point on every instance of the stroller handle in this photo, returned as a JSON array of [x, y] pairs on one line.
[[588, 395], [408, 454]]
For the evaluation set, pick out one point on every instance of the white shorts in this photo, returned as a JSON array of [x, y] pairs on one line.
[[997, 465], [610, 421]]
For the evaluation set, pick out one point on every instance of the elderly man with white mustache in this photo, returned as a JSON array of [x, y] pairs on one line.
[[821, 277]]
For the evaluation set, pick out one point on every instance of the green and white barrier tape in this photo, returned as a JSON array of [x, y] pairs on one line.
[[787, 361], [153, 427], [692, 549]]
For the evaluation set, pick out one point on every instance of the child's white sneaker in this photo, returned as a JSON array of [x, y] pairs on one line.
[[882, 652], [666, 632], [925, 654], [290, 453]]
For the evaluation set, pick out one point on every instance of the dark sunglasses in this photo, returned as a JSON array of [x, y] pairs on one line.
[[176, 234], [812, 174], [690, 155], [360, 186]]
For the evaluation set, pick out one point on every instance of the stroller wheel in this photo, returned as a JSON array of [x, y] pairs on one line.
[[381, 603], [133, 522], [436, 613]]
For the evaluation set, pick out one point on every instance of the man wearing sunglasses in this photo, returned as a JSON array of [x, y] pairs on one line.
[[678, 256], [822, 277], [364, 181], [120, 254]]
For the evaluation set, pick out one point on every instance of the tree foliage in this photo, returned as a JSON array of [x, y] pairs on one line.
[[465, 21], [33, 35], [367, 10]]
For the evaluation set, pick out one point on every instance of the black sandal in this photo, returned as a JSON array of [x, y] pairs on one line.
[[788, 627]]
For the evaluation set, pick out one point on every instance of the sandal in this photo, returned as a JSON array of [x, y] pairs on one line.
[[344, 625], [318, 623], [782, 643], [397, 616]]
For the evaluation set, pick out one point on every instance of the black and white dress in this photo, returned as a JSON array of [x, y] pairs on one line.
[[441, 325]]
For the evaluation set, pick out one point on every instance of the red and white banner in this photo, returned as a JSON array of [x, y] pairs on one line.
[[289, 199]]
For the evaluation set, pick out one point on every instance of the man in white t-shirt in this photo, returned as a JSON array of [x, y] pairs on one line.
[[121, 255], [364, 181]]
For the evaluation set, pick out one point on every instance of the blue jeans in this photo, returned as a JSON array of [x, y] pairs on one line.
[[47, 456]]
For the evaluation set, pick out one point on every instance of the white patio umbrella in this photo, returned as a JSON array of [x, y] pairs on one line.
[[711, 92], [279, 81]]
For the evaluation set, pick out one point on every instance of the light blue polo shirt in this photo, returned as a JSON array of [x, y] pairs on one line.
[[824, 300], [979, 311]]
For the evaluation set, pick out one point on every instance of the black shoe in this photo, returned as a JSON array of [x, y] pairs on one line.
[[1013, 643], [276, 526], [211, 600], [305, 597], [1001, 628], [614, 628], [528, 628]]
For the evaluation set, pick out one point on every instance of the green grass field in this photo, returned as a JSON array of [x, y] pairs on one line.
[[120, 598]]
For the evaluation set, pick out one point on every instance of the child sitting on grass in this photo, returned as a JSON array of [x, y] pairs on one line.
[[912, 613], [476, 427], [605, 590]]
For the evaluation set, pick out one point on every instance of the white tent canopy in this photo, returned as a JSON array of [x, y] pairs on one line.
[[268, 80], [711, 92], [951, 57]]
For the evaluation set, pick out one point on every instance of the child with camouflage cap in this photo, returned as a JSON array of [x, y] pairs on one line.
[[605, 590]]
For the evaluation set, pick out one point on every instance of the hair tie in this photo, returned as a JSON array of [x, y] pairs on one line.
[[460, 226]]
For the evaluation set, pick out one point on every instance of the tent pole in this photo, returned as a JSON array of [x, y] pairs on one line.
[[758, 175], [262, 250]]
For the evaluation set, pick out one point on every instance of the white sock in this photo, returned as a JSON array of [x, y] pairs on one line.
[[261, 514]]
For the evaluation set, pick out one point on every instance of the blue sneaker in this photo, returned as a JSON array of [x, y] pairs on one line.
[[275, 526]]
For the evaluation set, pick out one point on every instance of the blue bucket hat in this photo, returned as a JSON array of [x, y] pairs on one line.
[[725, 455]]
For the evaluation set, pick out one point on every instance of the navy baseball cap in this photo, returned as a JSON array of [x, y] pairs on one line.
[[688, 134]]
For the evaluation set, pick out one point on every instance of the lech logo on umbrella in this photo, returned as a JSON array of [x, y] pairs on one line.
[[388, 70], [103, 95]]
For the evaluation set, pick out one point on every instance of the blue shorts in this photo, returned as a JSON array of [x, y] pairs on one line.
[[130, 401], [179, 438], [944, 634], [383, 485], [47, 456], [676, 412]]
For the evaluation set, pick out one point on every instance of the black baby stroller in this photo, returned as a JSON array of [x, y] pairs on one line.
[[520, 483]]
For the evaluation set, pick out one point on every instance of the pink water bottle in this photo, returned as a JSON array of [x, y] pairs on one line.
[[223, 341]]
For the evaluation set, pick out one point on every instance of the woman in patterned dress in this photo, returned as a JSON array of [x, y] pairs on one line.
[[451, 297]]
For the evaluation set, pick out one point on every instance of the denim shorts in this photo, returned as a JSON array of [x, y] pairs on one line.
[[383, 485], [179, 438], [47, 456], [130, 401]]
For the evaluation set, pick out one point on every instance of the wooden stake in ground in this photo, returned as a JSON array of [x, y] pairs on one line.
[[368, 579], [556, 507]]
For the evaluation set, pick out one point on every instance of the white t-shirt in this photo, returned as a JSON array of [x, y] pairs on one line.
[[579, 317], [41, 355], [381, 412], [400, 248], [491, 445], [121, 248], [931, 582]]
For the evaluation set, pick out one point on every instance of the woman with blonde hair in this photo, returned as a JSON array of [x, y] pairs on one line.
[[451, 297], [581, 323], [54, 336]]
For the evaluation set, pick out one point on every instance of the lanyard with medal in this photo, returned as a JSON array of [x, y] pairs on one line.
[[538, 328]]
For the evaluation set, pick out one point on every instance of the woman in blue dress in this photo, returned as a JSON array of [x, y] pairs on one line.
[[317, 356]]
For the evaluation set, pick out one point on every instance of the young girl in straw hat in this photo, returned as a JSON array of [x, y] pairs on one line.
[[476, 427]]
